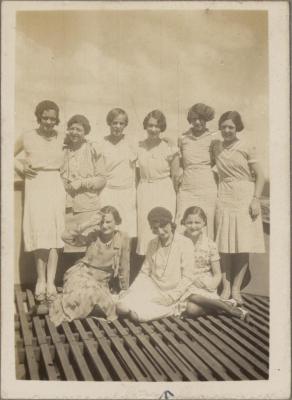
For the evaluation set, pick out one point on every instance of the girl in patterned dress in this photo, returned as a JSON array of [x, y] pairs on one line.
[[201, 297], [238, 222]]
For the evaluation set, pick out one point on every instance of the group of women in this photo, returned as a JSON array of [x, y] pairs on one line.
[[95, 196]]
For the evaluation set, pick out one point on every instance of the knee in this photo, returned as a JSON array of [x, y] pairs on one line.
[[193, 310], [122, 309]]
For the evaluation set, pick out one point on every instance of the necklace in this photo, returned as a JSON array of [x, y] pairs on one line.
[[167, 258]]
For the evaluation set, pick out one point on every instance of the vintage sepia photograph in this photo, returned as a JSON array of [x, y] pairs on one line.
[[145, 171]]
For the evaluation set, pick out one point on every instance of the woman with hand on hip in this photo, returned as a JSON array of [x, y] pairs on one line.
[[239, 229], [198, 186], [83, 176], [166, 274], [120, 165], [158, 164], [44, 203]]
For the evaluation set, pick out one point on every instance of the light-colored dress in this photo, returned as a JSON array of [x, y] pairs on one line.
[[236, 232], [155, 188], [120, 189], [86, 166], [198, 187], [165, 275], [87, 283], [205, 252], [44, 203]]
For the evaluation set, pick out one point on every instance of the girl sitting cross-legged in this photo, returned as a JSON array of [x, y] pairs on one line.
[[201, 297]]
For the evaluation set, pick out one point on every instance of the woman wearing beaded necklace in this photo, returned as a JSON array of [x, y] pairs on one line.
[[165, 275]]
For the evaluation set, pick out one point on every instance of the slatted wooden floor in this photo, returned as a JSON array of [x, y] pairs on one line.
[[207, 349]]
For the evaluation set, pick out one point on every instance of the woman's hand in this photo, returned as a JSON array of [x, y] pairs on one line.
[[29, 172], [254, 208]]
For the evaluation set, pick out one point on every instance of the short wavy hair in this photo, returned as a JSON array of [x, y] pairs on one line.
[[235, 118], [80, 119], [114, 212], [44, 106], [160, 118], [201, 111], [195, 210], [115, 112]]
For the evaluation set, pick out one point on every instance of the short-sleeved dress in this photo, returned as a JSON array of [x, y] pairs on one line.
[[167, 272], [87, 282], [44, 203], [198, 187], [205, 252], [120, 189], [155, 188], [86, 166], [236, 232]]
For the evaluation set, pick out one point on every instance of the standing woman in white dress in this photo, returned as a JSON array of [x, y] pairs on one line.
[[44, 203], [158, 164], [120, 166]]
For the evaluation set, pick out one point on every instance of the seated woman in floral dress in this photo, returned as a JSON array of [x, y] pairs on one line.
[[86, 284], [165, 275]]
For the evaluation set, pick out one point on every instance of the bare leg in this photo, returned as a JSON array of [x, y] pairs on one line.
[[41, 259], [226, 275], [51, 272], [218, 305], [240, 264], [194, 310]]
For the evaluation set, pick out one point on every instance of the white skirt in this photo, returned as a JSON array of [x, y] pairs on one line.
[[44, 211], [159, 193], [124, 200]]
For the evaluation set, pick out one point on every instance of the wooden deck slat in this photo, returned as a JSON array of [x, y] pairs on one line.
[[150, 368], [264, 300], [92, 353], [199, 336], [239, 339], [263, 329], [68, 371], [76, 353], [117, 343], [165, 349], [246, 360], [201, 358], [31, 362], [256, 315], [263, 310], [152, 351], [115, 364], [42, 341]]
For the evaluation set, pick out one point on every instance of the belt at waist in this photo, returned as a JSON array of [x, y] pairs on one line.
[[232, 179], [46, 169], [152, 180]]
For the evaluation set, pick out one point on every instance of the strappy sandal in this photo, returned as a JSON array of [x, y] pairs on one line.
[[245, 315], [40, 295], [51, 296], [237, 297], [230, 302]]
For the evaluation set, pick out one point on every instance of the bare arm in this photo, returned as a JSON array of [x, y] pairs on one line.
[[175, 172], [254, 208]]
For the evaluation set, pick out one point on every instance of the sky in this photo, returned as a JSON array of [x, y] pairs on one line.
[[140, 60]]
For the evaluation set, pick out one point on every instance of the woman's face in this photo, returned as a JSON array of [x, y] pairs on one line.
[[153, 129], [48, 120], [163, 231], [76, 133], [108, 224], [228, 131], [118, 124], [198, 124], [194, 224]]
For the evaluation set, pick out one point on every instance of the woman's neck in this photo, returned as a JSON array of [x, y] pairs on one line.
[[230, 143], [106, 237], [198, 133], [76, 146], [196, 238], [115, 139], [168, 241], [47, 134], [153, 141]]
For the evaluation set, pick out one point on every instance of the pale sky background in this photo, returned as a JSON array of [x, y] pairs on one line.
[[91, 61]]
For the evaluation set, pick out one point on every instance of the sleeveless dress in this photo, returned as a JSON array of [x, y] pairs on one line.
[[198, 187], [236, 232], [44, 202], [120, 190], [155, 188]]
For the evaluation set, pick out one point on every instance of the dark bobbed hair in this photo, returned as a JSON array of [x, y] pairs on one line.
[[202, 111], [114, 212], [235, 118], [195, 210], [162, 216], [160, 118], [115, 112], [80, 119], [44, 106]]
